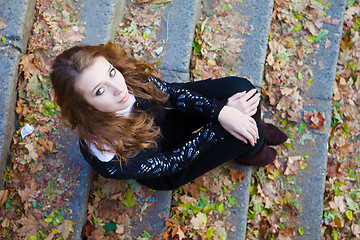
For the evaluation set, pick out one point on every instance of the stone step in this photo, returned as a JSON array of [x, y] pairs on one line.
[[318, 97], [101, 25], [176, 68], [176, 31], [18, 15], [251, 66]]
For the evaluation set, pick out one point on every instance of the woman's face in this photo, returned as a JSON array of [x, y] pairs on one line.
[[103, 86]]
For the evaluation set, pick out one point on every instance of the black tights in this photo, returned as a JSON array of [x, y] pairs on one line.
[[222, 151]]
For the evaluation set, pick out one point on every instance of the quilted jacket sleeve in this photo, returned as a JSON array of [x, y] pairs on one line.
[[151, 164], [188, 101]]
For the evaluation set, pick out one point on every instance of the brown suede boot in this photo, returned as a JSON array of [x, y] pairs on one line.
[[273, 135], [266, 156]]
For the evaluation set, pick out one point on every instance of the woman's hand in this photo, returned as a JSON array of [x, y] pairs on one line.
[[238, 124], [244, 102]]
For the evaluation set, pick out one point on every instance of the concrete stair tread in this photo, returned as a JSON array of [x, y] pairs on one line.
[[319, 98], [101, 23]]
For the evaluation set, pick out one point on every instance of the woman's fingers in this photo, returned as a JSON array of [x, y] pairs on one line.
[[248, 130], [253, 131], [240, 137], [245, 102], [250, 93], [236, 96], [238, 124], [252, 112], [253, 100]]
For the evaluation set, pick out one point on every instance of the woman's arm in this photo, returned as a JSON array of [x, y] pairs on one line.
[[239, 109], [245, 102], [189, 101], [240, 125], [235, 116], [150, 164]]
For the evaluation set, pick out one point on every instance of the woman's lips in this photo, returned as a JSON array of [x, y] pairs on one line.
[[125, 98]]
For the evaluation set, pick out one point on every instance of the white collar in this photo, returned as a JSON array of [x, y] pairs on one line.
[[126, 112]]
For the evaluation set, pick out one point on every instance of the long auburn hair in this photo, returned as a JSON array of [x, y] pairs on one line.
[[126, 136]]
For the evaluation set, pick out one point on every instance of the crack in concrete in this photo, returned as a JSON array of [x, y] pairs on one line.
[[11, 41]]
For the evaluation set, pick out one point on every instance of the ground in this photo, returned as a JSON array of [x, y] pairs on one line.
[[33, 202]]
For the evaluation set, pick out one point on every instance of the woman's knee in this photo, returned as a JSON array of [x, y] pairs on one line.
[[237, 84]]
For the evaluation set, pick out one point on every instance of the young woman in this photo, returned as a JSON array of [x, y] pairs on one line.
[[131, 124]]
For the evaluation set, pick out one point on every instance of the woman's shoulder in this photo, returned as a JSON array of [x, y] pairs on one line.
[[105, 156]]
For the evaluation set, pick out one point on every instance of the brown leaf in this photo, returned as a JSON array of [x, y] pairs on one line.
[[27, 66], [28, 192], [50, 236], [107, 207], [270, 59], [65, 228], [355, 228], [339, 222], [3, 24], [170, 222], [199, 222], [3, 196], [338, 204], [186, 199], [6, 223], [29, 227], [237, 175], [49, 145], [317, 120], [178, 233], [293, 165], [32, 151], [333, 170], [87, 230], [349, 112], [285, 234], [193, 188], [337, 94]]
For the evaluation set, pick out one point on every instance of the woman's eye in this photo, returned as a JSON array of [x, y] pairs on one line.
[[112, 72], [99, 92]]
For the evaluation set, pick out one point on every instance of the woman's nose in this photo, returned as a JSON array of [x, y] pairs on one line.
[[117, 90]]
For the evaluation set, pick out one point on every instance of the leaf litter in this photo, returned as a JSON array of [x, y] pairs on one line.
[[199, 209], [34, 199], [297, 28], [31, 200], [342, 191]]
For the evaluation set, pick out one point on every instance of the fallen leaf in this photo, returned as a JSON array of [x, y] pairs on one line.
[[32, 151], [327, 43], [316, 119], [199, 222], [50, 236], [178, 233], [87, 230], [270, 59], [355, 228], [66, 228], [293, 165], [186, 199], [29, 192], [236, 175], [333, 169], [30, 226], [3, 196], [338, 204], [3, 24]]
